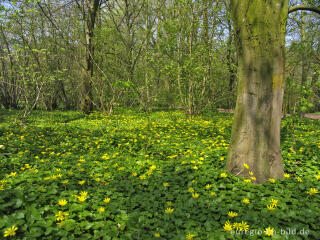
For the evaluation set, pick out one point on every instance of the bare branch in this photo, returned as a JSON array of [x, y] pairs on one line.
[[302, 7]]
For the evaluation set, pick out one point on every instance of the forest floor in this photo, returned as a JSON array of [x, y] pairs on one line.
[[64, 175]]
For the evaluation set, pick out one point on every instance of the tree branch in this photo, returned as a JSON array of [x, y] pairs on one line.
[[302, 7]]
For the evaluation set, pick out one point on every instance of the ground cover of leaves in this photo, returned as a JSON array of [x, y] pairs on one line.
[[130, 175]]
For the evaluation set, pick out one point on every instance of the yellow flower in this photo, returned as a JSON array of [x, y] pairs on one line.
[[157, 235], [106, 200], [169, 210], [81, 182], [60, 215], [250, 173], [318, 176], [12, 174], [208, 186], [299, 179], [195, 168], [272, 180], [84, 194], [190, 236], [247, 180], [62, 202], [222, 158], [223, 175], [166, 184], [271, 207], [142, 177], [169, 203], [313, 191], [237, 226], [190, 190], [269, 231], [195, 195], [82, 198], [227, 226], [10, 231], [134, 174], [101, 209], [212, 194], [274, 202], [286, 175], [244, 226], [2, 182], [232, 214], [253, 178], [246, 166]]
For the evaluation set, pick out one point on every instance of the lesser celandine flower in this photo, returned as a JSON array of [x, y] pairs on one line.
[[269, 231], [274, 202], [157, 235], [83, 193], [271, 207], [62, 202], [313, 191], [246, 201], [166, 184], [10, 232], [195, 195], [60, 215], [286, 175], [272, 180], [244, 226], [246, 166], [223, 175], [101, 209], [237, 226], [169, 210], [232, 214], [190, 236], [81, 182], [190, 190], [106, 200], [81, 198], [208, 186], [227, 226]]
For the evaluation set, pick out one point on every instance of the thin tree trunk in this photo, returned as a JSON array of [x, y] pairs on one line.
[[87, 70]]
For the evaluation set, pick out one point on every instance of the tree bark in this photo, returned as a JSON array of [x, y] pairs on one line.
[[255, 140], [87, 71]]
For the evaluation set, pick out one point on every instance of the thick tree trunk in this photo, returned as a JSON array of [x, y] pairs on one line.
[[260, 31]]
